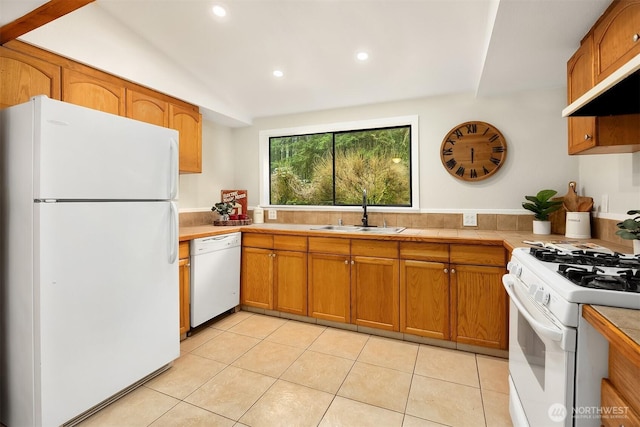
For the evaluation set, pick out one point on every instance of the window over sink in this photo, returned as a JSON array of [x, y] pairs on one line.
[[330, 165]]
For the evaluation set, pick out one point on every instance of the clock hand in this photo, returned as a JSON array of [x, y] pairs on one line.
[[472, 155]]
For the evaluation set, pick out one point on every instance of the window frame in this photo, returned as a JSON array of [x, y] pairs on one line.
[[411, 121]]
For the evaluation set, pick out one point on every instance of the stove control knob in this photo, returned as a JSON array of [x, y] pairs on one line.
[[542, 296], [533, 288], [514, 268]]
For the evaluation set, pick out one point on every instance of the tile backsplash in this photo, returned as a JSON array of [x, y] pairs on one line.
[[603, 229]]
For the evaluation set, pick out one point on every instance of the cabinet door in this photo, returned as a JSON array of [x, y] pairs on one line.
[[91, 91], [256, 287], [478, 306], [147, 108], [616, 37], [611, 399], [185, 288], [290, 282], [424, 298], [375, 293], [579, 80], [188, 123], [329, 281], [24, 76]]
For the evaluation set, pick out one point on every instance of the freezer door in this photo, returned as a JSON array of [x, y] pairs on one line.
[[107, 292], [91, 155]]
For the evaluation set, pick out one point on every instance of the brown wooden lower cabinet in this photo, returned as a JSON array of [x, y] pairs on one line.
[[424, 298], [616, 411], [375, 293], [184, 272], [478, 306], [406, 287], [290, 282], [256, 285], [329, 282], [274, 272]]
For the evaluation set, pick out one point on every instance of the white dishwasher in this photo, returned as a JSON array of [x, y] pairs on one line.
[[215, 276]]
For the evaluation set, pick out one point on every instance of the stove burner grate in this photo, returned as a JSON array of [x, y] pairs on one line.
[[597, 259], [625, 280]]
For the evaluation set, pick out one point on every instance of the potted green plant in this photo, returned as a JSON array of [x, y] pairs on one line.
[[223, 209], [542, 206], [629, 229]]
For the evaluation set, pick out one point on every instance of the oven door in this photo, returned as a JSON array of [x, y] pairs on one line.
[[541, 361]]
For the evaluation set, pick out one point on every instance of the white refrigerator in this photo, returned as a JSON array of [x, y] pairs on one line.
[[89, 301]]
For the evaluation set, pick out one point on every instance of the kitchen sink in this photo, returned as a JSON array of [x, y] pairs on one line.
[[360, 229]]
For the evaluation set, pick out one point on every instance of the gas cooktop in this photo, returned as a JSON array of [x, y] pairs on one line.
[[594, 270], [594, 259], [582, 277]]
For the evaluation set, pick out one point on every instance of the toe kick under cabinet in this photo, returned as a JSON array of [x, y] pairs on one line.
[[446, 291]]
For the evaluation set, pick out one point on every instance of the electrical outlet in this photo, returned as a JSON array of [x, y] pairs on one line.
[[273, 214], [470, 219]]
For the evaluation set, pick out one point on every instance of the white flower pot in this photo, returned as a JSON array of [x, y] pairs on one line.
[[541, 227], [636, 247]]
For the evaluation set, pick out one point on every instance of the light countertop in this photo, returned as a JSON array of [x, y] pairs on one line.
[[509, 239]]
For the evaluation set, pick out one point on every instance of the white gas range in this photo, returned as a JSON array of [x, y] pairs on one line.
[[556, 359]]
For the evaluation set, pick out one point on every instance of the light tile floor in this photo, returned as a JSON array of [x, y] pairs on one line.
[[253, 370]]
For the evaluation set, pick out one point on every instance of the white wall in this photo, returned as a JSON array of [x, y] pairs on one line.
[[200, 191], [616, 176], [531, 123], [90, 35]]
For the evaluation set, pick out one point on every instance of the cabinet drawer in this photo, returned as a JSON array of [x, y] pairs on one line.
[[374, 248], [290, 243], [256, 240], [183, 250], [437, 252], [616, 411], [330, 245], [477, 255]]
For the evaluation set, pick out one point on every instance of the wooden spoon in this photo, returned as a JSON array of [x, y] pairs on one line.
[[571, 198]]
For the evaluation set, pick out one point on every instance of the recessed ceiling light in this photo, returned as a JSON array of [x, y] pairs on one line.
[[278, 73], [219, 11], [362, 56]]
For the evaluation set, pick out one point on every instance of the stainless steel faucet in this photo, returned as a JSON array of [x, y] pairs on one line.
[[365, 218]]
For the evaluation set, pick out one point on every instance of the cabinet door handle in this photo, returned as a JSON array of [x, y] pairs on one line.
[[636, 37], [587, 136], [446, 270], [273, 255], [346, 261], [352, 262], [453, 270]]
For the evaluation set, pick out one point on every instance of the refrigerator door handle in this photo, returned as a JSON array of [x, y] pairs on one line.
[[173, 169], [173, 234]]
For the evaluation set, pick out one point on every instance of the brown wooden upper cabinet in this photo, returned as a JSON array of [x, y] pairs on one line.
[[93, 91], [616, 37], [147, 108], [612, 41], [24, 76], [188, 122], [29, 71]]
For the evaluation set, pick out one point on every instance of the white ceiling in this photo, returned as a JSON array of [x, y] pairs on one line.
[[417, 48]]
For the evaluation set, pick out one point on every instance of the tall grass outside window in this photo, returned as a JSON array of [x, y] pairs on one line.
[[332, 168]]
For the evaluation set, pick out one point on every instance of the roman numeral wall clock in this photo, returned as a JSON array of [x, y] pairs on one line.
[[473, 151]]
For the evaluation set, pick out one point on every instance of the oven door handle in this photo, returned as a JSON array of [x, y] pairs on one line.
[[552, 334]]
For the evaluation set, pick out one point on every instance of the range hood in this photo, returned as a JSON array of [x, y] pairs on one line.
[[618, 94]]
